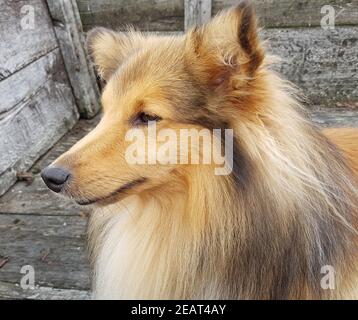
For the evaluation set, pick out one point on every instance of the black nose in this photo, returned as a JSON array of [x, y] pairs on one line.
[[55, 178]]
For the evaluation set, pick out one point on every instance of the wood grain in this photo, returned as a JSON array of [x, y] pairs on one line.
[[68, 29], [20, 200], [22, 85], [196, 12], [323, 63], [297, 13], [169, 15], [334, 117], [53, 245], [14, 291], [19, 47], [38, 119], [152, 15]]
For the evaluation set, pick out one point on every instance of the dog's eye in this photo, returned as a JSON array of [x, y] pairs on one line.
[[143, 118]]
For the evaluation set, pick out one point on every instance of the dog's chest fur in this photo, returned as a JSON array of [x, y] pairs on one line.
[[135, 251]]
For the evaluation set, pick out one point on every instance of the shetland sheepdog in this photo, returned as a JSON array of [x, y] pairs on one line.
[[272, 228]]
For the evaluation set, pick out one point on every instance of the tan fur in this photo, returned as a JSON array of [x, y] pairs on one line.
[[265, 231]]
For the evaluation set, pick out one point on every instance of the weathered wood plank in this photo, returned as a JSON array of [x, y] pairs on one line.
[[158, 15], [196, 12], [27, 83], [53, 245], [324, 63], [298, 13], [15, 292], [7, 179], [30, 128], [335, 117], [36, 198], [20, 46], [68, 29], [169, 15]]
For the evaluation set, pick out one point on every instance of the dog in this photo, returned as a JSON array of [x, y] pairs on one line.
[[273, 228]]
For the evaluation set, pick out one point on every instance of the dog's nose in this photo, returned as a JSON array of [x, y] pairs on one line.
[[55, 177]]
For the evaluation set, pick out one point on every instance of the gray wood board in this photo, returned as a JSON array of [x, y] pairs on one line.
[[36, 198], [196, 12], [169, 15], [13, 291], [298, 13], [324, 63], [335, 117], [44, 111], [158, 15], [18, 46], [53, 245], [68, 29]]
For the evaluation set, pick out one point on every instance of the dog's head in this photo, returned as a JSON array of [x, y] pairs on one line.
[[176, 82]]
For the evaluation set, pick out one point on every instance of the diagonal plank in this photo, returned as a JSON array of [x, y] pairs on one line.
[[14, 291], [20, 46]]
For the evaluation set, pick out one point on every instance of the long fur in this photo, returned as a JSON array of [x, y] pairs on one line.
[[265, 231], [266, 237]]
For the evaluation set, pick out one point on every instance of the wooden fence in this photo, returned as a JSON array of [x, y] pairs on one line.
[[166, 15]]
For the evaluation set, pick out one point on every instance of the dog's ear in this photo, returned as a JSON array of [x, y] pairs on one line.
[[228, 42], [108, 49]]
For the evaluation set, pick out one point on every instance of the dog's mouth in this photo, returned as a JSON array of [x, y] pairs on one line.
[[113, 195]]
